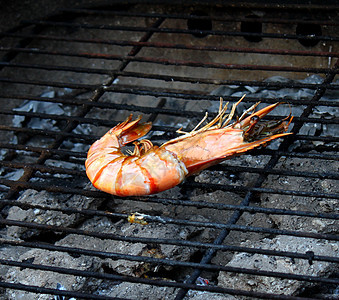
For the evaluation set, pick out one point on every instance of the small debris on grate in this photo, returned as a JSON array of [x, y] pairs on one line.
[[202, 281], [137, 218]]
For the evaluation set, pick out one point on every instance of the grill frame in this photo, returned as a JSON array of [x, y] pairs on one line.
[[86, 104]]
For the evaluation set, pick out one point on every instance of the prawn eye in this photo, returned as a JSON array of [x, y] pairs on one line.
[[254, 119]]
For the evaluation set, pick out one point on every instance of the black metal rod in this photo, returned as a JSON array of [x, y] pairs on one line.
[[43, 290], [164, 45], [225, 227], [175, 263], [290, 84], [214, 65], [134, 280], [204, 96], [92, 138], [169, 262], [109, 123], [277, 20], [207, 186], [181, 31], [184, 202], [81, 155]]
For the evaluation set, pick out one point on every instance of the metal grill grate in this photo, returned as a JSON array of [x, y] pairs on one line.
[[263, 225]]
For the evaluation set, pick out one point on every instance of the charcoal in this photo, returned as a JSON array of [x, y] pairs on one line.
[[260, 262], [47, 279]]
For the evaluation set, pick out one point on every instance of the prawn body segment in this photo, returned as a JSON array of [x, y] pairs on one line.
[[156, 171], [146, 173], [150, 169]]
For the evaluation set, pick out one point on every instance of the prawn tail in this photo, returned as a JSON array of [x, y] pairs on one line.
[[249, 146], [233, 152], [259, 114], [129, 131], [256, 130]]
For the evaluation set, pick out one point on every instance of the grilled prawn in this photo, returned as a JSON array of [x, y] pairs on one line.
[[151, 169]]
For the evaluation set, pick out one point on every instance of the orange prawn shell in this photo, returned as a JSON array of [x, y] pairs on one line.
[[113, 172], [203, 147]]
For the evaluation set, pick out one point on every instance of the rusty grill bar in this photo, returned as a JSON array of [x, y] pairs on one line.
[[99, 65]]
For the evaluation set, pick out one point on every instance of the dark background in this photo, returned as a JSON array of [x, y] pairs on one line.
[[14, 11]]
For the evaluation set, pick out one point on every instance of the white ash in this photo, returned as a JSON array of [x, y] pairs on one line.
[[129, 205], [83, 129], [52, 108], [66, 165], [279, 264], [218, 197], [48, 279], [3, 153], [326, 112], [15, 175], [133, 268], [202, 295], [136, 291], [12, 175], [39, 107], [129, 267], [61, 288], [208, 234], [10, 253], [234, 178], [45, 216], [312, 204]]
